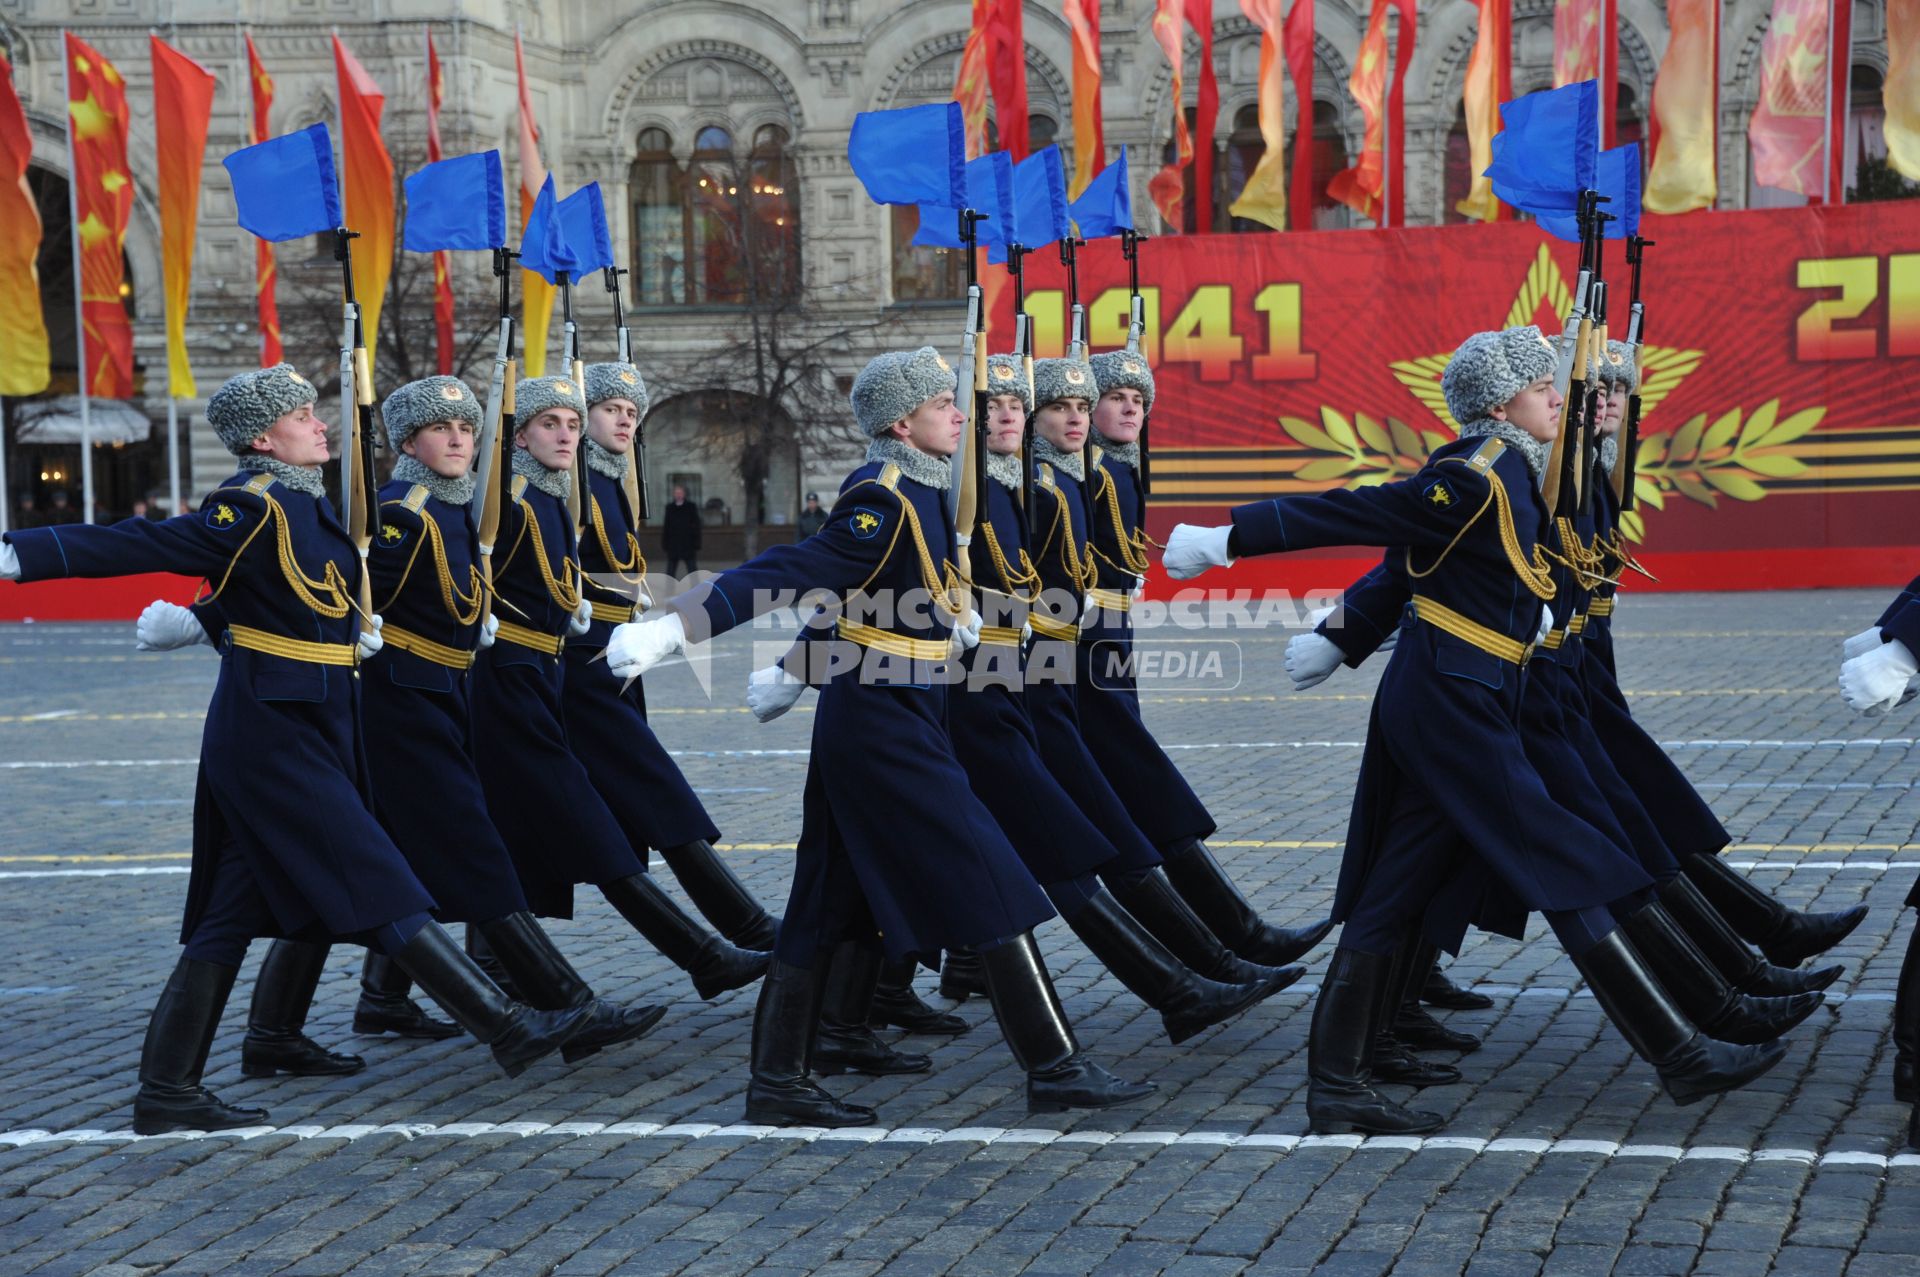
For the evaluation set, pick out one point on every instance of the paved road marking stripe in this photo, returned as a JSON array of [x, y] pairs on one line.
[[1471, 1145]]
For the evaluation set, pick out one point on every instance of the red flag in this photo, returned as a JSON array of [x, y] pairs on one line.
[[1007, 73], [1168, 187], [263, 264], [970, 81], [1380, 96], [1297, 46], [183, 97], [366, 187], [1089, 140], [1787, 131], [442, 260], [25, 363], [1205, 114], [102, 202]]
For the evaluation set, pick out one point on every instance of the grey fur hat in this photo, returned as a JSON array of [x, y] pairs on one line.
[[1055, 379], [534, 395], [1492, 367], [423, 402], [1120, 369], [616, 381], [1007, 375], [1616, 369], [243, 408], [895, 383]]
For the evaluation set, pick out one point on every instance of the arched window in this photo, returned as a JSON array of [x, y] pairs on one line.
[[1245, 146], [718, 232]]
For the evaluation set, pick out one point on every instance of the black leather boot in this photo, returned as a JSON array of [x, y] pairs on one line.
[[721, 898], [1205, 885], [1702, 993], [1411, 1023], [1691, 1065], [1786, 936], [1440, 991], [1906, 1023], [896, 1005], [1393, 1060], [282, 996], [779, 1090], [844, 1043], [384, 1006], [1165, 912], [1341, 1097], [1187, 1003], [1744, 969], [1037, 1032], [518, 1035], [526, 950], [962, 976], [715, 965], [482, 954], [174, 1057]]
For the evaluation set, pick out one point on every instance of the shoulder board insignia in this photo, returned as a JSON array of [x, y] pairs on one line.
[[1093, 457], [416, 498], [259, 483], [519, 487], [889, 477], [1486, 454], [1043, 474]]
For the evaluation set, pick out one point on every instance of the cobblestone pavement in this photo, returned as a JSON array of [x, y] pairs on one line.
[[1560, 1155]]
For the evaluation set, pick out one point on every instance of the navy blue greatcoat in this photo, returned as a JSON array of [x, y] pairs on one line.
[[284, 842], [1901, 621], [418, 725], [607, 724], [1445, 775], [539, 795], [892, 835]]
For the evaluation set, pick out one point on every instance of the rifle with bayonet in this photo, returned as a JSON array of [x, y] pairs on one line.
[[356, 427], [1076, 313], [1136, 336], [636, 480], [488, 474], [964, 491], [1570, 363], [1625, 453]]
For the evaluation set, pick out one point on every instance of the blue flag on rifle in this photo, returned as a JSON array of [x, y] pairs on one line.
[[1039, 204], [583, 221], [1106, 206], [1548, 148], [544, 248], [457, 203], [911, 155], [989, 183], [1618, 179], [284, 187]]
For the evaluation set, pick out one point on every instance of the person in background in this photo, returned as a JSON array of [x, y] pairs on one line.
[[812, 517], [680, 534]]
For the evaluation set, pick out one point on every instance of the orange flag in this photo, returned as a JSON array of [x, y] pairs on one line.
[[1264, 198], [970, 81], [1685, 171], [1168, 187], [183, 97], [1488, 84], [1296, 43], [1089, 137], [25, 365], [536, 294], [367, 188], [1902, 89], [263, 266], [1007, 73], [1361, 188], [442, 260], [102, 201], [1576, 41]]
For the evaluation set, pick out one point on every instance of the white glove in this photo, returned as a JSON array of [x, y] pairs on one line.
[[1192, 549], [1087, 608], [1311, 659], [9, 563], [1139, 590], [1026, 633], [582, 619], [489, 630], [1860, 644], [165, 626], [1874, 682], [645, 600], [638, 646], [370, 641], [967, 630], [772, 691], [1546, 624]]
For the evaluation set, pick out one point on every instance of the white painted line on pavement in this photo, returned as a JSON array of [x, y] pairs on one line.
[[96, 873], [52, 765], [1285, 1144]]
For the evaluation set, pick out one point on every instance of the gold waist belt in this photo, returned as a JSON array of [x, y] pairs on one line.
[[1490, 641], [894, 644], [521, 636], [426, 649], [292, 649]]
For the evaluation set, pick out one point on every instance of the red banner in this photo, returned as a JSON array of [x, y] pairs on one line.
[[1780, 420], [102, 202]]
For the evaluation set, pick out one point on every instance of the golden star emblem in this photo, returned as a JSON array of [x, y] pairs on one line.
[[93, 231], [112, 181], [91, 121]]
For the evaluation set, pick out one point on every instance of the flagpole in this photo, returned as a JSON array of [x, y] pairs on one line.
[[1837, 165], [1826, 115], [1386, 124], [6, 493], [79, 292], [173, 454]]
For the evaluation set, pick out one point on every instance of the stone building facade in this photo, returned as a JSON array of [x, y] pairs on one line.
[[666, 103]]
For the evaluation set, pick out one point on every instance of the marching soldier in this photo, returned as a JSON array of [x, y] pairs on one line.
[[280, 744], [1448, 804], [882, 773], [541, 798], [1106, 699], [606, 721]]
